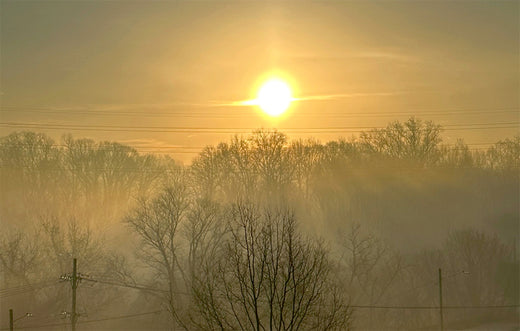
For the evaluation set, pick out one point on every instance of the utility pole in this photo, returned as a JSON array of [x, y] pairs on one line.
[[440, 299], [11, 321], [75, 279], [74, 286]]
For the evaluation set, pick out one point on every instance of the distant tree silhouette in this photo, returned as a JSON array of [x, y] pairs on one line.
[[413, 140], [457, 156], [479, 269], [370, 271], [505, 155], [158, 223], [32, 263], [257, 166], [216, 262]]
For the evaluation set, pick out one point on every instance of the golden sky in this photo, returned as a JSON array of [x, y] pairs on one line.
[[140, 71]]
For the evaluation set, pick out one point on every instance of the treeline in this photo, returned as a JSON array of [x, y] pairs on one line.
[[263, 232], [77, 178]]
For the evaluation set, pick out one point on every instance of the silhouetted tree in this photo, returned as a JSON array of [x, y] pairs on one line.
[[478, 270], [19, 258], [30, 165], [269, 277], [270, 160], [505, 155], [158, 224], [305, 156], [413, 140], [457, 156], [370, 272]]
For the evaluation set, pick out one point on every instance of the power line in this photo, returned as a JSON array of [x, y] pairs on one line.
[[134, 286], [89, 321], [121, 317], [436, 307], [99, 169], [27, 285], [26, 290], [432, 168], [96, 147], [352, 306], [218, 113], [165, 149], [142, 287], [214, 130], [235, 128]]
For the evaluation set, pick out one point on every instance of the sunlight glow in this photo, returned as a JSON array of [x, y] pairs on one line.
[[274, 97]]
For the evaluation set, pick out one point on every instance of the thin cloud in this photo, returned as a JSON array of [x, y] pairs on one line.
[[145, 142], [347, 95], [323, 97], [386, 55], [390, 56], [115, 108]]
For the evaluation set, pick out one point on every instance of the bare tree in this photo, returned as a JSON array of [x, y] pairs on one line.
[[203, 231], [269, 277], [29, 163], [63, 241], [206, 171], [158, 222], [371, 272], [505, 155], [305, 156], [19, 258], [483, 258], [478, 270], [458, 155], [413, 140], [257, 166], [271, 160], [370, 265], [32, 263], [109, 174]]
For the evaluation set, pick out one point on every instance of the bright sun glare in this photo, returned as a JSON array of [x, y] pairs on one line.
[[274, 97]]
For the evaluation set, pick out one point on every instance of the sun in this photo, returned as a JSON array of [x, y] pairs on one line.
[[274, 97]]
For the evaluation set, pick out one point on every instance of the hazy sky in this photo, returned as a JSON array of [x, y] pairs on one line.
[[138, 65]]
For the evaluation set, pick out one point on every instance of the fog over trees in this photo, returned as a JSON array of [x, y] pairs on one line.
[[262, 232]]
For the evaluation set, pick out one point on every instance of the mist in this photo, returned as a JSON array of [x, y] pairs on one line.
[[262, 231]]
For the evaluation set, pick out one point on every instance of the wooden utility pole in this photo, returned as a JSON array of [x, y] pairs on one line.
[[11, 321], [74, 286], [440, 299]]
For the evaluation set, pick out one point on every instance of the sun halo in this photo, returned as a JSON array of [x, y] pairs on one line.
[[274, 97]]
